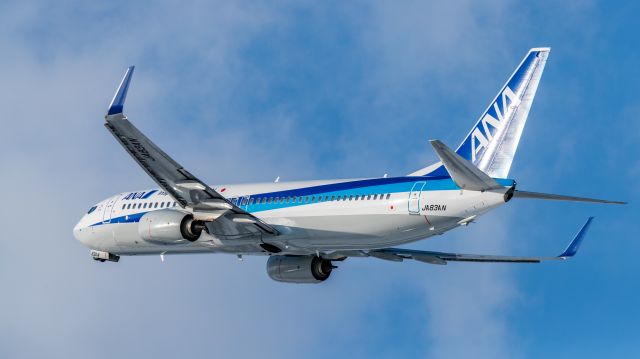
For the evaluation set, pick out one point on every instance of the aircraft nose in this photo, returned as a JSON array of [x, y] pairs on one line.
[[80, 232]]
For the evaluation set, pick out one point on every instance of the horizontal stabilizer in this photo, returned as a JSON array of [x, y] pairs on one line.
[[557, 197], [463, 172]]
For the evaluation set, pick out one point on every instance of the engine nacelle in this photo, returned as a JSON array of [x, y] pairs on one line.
[[299, 269], [168, 226]]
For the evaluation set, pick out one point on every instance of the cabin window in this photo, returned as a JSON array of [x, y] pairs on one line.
[[245, 201], [264, 200], [368, 197], [251, 201], [351, 198], [388, 195], [92, 209], [144, 205], [124, 205], [155, 205], [161, 204]]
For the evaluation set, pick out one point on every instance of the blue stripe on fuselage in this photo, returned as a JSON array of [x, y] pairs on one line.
[[130, 218], [361, 187], [379, 186]]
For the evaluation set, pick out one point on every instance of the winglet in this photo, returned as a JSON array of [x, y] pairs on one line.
[[572, 248], [117, 103]]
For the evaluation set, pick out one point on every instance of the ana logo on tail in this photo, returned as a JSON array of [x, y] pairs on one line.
[[493, 139], [482, 134]]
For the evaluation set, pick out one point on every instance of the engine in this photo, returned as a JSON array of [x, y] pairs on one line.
[[299, 269], [168, 226]]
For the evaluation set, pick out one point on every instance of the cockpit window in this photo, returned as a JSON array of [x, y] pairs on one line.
[[92, 209]]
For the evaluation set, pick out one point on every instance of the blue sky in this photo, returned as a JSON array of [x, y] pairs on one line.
[[246, 91]]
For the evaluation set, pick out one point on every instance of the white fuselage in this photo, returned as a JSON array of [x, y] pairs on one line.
[[310, 216]]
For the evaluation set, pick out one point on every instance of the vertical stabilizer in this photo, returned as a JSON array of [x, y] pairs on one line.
[[492, 142]]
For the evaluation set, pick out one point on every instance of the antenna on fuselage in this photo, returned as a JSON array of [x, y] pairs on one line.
[[277, 180]]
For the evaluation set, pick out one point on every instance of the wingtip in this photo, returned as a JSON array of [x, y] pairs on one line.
[[117, 103], [573, 247]]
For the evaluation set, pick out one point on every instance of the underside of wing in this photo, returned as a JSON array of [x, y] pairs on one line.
[[442, 258]]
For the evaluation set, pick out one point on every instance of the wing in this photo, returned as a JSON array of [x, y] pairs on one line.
[[399, 254], [190, 192]]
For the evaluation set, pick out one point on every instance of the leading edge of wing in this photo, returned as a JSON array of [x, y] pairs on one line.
[[399, 254]]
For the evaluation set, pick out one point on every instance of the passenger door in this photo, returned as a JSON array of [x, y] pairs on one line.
[[414, 197], [108, 208]]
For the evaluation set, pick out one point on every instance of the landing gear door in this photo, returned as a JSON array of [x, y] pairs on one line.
[[414, 197]]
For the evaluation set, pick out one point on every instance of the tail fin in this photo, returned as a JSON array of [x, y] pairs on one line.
[[492, 142]]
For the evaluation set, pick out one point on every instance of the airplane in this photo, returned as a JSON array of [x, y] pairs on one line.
[[305, 228]]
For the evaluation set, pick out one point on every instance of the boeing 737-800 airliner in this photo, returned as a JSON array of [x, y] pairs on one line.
[[306, 227]]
